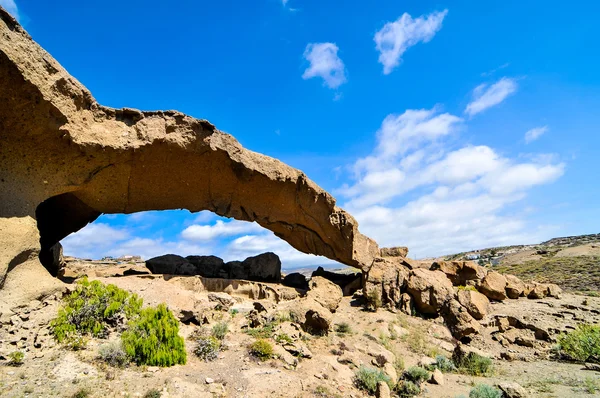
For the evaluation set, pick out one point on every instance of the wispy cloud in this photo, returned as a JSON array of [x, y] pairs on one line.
[[485, 96], [11, 7], [491, 72], [396, 37], [324, 63], [535, 133], [219, 229]]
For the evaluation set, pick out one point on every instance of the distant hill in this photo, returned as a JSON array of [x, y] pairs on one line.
[[572, 262]]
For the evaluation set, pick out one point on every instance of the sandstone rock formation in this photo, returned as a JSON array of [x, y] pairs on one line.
[[430, 290], [67, 159]]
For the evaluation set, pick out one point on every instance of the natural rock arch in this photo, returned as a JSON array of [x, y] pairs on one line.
[[65, 159]]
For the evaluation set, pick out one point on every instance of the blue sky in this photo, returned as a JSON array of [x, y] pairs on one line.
[[440, 126]]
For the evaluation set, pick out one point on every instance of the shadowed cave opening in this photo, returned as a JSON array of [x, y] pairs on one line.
[[86, 233]]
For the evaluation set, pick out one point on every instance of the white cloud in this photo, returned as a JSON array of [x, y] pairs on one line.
[[485, 96], [148, 248], [252, 245], [11, 7], [396, 37], [324, 63], [219, 229], [92, 240], [535, 133], [416, 191]]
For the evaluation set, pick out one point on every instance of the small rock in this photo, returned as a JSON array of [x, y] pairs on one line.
[[437, 377], [152, 369], [512, 390], [208, 380], [383, 390], [592, 366], [426, 361]]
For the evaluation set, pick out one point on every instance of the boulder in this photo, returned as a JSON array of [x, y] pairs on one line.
[[386, 279], [437, 377], [170, 264], [538, 291], [224, 301], [324, 292], [553, 290], [265, 267], [494, 286], [207, 266], [460, 272], [512, 390], [399, 251], [349, 282], [313, 317], [429, 289], [514, 286], [383, 390], [458, 320], [407, 304], [462, 351], [295, 280], [477, 304]]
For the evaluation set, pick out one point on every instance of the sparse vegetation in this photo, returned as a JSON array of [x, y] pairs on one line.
[[343, 328], [591, 385], [468, 287], [283, 338], [113, 354], [367, 378], [207, 348], [407, 389], [485, 391], [219, 331], [153, 393], [263, 332], [475, 365], [444, 364], [323, 392], [82, 393], [92, 307], [261, 349], [75, 342], [416, 374], [154, 339], [15, 358], [581, 343]]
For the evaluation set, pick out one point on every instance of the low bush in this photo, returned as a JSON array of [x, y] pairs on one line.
[[416, 374], [283, 338], [207, 348], [219, 331], [407, 389], [343, 328], [367, 378], [263, 332], [153, 339], [15, 358], [475, 365], [113, 354], [581, 343], [153, 393], [75, 342], [261, 349], [92, 307], [485, 391], [82, 393], [444, 364], [373, 299]]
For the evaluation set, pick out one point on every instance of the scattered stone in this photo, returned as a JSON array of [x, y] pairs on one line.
[[424, 362], [152, 369], [383, 390], [224, 301], [512, 390], [399, 251], [208, 380], [437, 377], [592, 366]]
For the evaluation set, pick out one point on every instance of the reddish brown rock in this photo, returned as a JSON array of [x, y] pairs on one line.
[[458, 320], [386, 278], [493, 286], [460, 272], [324, 292], [400, 251], [476, 303], [514, 286], [429, 289]]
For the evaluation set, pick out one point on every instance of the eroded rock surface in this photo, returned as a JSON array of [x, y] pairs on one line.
[[67, 159]]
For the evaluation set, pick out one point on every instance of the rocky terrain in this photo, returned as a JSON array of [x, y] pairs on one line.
[[572, 262]]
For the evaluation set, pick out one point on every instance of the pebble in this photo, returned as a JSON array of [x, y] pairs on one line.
[[209, 380]]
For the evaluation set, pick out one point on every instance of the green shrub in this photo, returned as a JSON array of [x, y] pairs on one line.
[[407, 389], [219, 331], [475, 365], [591, 385], [264, 332], [153, 393], [15, 358], [153, 339], [207, 348], [367, 378], [399, 364], [113, 354], [261, 349], [82, 393], [234, 312], [582, 343], [485, 391], [343, 328], [75, 342], [92, 307], [283, 338], [444, 364], [416, 374]]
